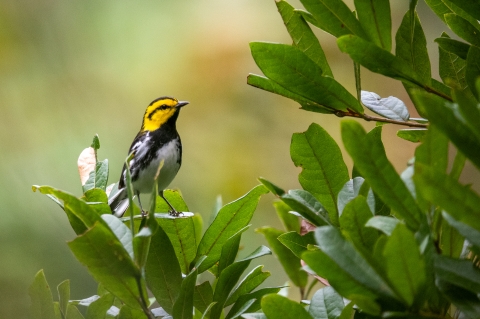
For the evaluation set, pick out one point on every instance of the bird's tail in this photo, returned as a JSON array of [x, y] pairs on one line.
[[119, 202]]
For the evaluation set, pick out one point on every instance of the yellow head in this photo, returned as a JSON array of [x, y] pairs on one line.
[[160, 111]]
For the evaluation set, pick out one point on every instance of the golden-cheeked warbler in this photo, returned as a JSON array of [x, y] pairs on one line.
[[157, 141]]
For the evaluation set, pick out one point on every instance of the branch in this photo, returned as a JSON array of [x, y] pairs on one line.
[[369, 118]]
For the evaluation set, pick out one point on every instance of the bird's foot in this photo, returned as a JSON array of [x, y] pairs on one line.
[[174, 213], [144, 213]]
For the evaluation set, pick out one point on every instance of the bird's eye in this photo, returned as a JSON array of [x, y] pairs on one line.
[[163, 107]]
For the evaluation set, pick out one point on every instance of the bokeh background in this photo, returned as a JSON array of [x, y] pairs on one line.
[[70, 69]]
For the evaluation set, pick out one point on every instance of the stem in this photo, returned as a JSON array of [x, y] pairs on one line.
[[369, 118], [302, 293], [128, 180], [432, 90], [309, 289], [143, 302], [358, 83]]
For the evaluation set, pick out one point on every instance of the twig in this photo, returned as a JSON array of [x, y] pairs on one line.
[[369, 118]]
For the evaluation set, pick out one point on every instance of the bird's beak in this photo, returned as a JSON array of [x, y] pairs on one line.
[[181, 104]]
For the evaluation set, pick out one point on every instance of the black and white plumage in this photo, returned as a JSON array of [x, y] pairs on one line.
[[149, 148]]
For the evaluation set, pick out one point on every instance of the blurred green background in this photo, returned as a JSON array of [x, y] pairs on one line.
[[70, 69]]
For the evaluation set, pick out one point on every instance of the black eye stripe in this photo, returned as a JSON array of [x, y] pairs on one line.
[[161, 107]]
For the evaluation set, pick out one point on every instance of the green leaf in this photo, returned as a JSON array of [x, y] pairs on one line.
[[130, 313], [227, 280], [412, 135], [323, 170], [259, 252], [276, 190], [461, 273], [98, 178], [245, 306], [141, 245], [405, 267], [452, 69], [339, 278], [447, 119], [472, 72], [162, 271], [302, 36], [229, 220], [174, 197], [290, 262], [375, 18], [383, 223], [73, 312], [246, 300], [334, 17], [343, 253], [181, 232], [307, 206], [183, 307], [459, 201], [251, 281], [293, 69], [463, 28], [467, 229], [289, 221], [41, 298], [469, 110], [81, 215], [109, 263], [63, 290], [465, 301], [278, 307], [122, 232], [378, 60], [458, 165], [471, 7], [462, 13], [198, 224], [411, 47], [348, 311], [371, 161], [326, 303], [297, 243], [230, 250], [353, 220], [433, 151], [352, 189], [439, 7], [98, 308], [95, 142], [96, 195], [452, 46], [203, 296], [451, 242], [273, 87], [207, 310]]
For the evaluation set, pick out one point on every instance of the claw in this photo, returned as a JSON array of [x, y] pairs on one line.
[[174, 213]]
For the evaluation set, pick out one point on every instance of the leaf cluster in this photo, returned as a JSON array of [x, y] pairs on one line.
[[392, 245], [157, 253]]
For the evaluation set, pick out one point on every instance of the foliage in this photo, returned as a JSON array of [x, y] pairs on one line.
[[383, 244], [393, 245], [157, 252]]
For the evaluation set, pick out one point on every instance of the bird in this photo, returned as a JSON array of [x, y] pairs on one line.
[[157, 145]]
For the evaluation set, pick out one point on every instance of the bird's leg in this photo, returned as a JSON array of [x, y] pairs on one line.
[[173, 211], [140, 203]]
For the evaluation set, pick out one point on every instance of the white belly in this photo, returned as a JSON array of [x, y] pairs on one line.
[[170, 156]]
